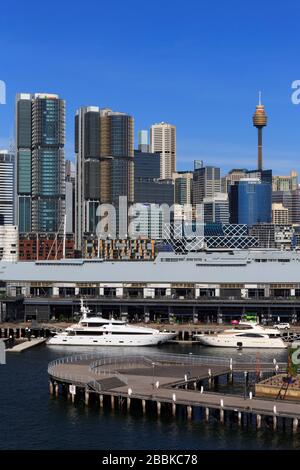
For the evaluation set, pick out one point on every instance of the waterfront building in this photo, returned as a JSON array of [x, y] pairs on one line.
[[183, 183], [194, 285], [250, 202], [280, 214], [285, 183], [7, 188], [119, 249], [163, 140], [206, 182], [40, 140], [45, 246]]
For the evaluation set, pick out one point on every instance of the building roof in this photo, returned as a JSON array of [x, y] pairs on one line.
[[242, 267]]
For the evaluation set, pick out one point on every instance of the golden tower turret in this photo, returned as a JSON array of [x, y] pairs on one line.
[[259, 121]]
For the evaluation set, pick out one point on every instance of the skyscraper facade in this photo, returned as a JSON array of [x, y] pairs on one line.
[[7, 188], [250, 202], [40, 139], [183, 183], [104, 147], [285, 183], [291, 201], [206, 182], [143, 144], [216, 209], [163, 140]]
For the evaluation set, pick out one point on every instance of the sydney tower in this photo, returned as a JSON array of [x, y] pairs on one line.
[[259, 121]]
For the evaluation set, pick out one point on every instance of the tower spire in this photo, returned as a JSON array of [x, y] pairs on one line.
[[259, 121]]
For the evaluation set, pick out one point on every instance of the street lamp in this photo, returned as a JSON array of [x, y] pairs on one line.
[[245, 384], [153, 365]]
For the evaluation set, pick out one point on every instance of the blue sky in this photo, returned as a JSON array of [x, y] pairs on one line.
[[196, 64]]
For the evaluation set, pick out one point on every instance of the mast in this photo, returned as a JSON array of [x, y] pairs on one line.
[[65, 233]]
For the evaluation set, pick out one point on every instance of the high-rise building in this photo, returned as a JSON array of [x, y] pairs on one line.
[[7, 188], [70, 197], [259, 121], [216, 209], [143, 144], [250, 202], [198, 164], [280, 214], [147, 221], [146, 165], [265, 234], [154, 191], [9, 243], [183, 183], [285, 183], [104, 143], [291, 201], [40, 139], [163, 140], [231, 178], [206, 182], [265, 176]]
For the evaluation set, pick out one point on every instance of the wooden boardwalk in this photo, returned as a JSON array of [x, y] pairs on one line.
[[168, 382]]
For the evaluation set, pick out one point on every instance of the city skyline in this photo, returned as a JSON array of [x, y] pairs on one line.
[[204, 84]]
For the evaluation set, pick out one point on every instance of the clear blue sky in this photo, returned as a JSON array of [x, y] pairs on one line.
[[196, 64]]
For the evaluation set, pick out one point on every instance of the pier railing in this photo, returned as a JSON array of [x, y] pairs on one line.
[[111, 366]]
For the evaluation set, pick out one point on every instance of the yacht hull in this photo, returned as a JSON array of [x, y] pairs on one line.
[[235, 342], [111, 340]]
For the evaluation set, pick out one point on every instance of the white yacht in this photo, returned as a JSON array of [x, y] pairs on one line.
[[244, 335], [97, 331]]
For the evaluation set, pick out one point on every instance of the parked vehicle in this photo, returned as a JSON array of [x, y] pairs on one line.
[[282, 326]]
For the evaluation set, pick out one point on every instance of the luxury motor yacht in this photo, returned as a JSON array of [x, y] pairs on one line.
[[98, 331], [244, 335]]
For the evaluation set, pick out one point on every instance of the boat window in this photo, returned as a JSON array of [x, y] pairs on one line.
[[251, 335], [89, 333], [131, 333], [95, 324]]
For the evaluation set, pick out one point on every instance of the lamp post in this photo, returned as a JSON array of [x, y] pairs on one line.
[[153, 365], [245, 384]]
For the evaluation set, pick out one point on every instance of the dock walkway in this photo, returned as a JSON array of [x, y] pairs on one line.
[[18, 348], [167, 380]]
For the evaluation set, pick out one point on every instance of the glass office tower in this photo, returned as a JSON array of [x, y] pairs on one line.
[[250, 202], [40, 137], [104, 142]]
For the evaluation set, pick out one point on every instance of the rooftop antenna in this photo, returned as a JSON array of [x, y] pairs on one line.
[[259, 98]]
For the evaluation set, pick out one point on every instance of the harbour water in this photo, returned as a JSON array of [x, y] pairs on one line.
[[31, 419]]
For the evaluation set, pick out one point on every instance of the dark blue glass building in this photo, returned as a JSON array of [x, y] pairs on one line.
[[250, 202]]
